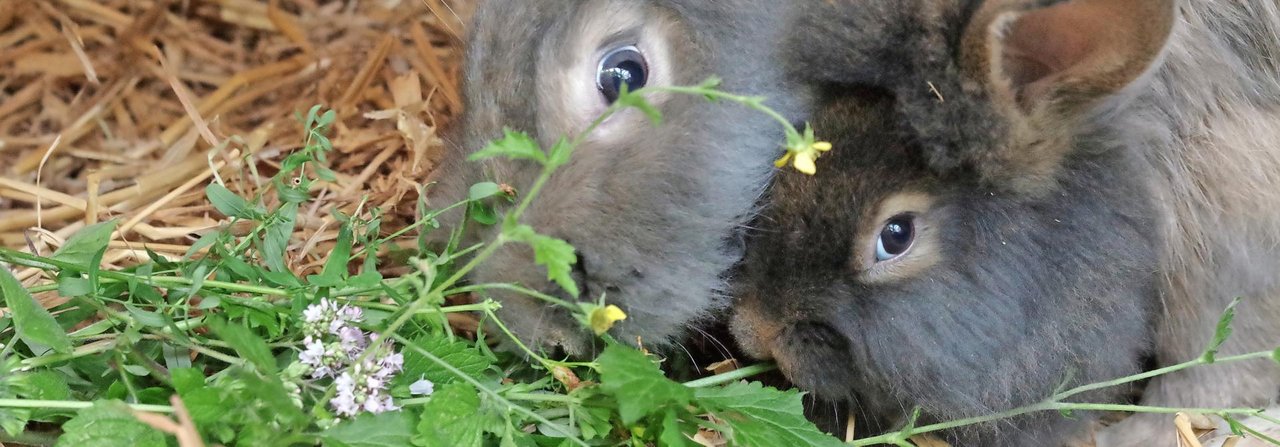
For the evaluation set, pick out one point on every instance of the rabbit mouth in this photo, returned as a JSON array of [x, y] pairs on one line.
[[814, 356]]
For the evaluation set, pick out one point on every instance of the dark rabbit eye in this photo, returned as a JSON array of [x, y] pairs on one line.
[[896, 237], [622, 66]]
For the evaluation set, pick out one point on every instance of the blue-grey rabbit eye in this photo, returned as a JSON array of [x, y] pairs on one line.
[[622, 66], [895, 238]]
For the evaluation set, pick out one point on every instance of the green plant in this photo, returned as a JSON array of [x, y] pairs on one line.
[[259, 356], [262, 337]]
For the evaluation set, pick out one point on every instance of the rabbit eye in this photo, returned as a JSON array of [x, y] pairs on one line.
[[622, 66], [896, 237]]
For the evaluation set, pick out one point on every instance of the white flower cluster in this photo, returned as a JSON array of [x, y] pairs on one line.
[[333, 346]]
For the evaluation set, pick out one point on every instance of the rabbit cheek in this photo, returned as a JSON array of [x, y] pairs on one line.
[[754, 330]]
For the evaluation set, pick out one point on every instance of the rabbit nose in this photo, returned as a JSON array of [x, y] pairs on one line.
[[817, 335]]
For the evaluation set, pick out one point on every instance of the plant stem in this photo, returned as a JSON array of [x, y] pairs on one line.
[[1160, 372], [74, 405], [32, 438], [1055, 403], [510, 288], [731, 376]]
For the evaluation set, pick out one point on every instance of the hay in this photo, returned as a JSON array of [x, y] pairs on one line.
[[126, 109]]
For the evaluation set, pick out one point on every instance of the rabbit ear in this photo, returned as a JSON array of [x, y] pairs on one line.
[[1047, 68]]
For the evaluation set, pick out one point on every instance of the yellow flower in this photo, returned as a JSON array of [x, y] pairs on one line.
[[804, 157], [603, 318]]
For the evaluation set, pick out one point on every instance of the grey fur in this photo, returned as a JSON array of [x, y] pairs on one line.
[[651, 211], [1202, 138]]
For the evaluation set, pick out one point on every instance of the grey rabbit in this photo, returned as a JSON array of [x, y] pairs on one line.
[[1026, 195], [654, 212]]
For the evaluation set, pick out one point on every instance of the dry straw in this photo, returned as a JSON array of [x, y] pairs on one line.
[[126, 109]]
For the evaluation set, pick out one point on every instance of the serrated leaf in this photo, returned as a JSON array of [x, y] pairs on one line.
[[763, 416], [33, 323], [108, 424], [1222, 333], [229, 203], [461, 355], [554, 254], [451, 418], [391, 429], [513, 145], [638, 385], [86, 243], [248, 345], [632, 99]]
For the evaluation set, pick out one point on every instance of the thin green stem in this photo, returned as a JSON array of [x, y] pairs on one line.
[[543, 397], [78, 352], [1055, 403], [750, 102], [510, 288], [732, 376], [29, 260], [1160, 372], [545, 362], [74, 405]]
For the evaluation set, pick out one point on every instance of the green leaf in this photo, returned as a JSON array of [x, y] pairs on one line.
[[513, 145], [560, 153], [1276, 356], [229, 203], [461, 355], [391, 429], [186, 379], [71, 285], [633, 99], [86, 243], [1224, 331], [555, 254], [248, 345], [276, 241], [147, 318], [335, 268], [108, 424], [33, 323], [326, 119], [763, 416], [451, 418], [638, 384], [482, 213], [47, 385], [12, 420], [672, 432], [481, 191]]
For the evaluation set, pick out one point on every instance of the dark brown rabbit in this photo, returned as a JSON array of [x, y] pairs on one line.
[[1025, 195], [652, 211]]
